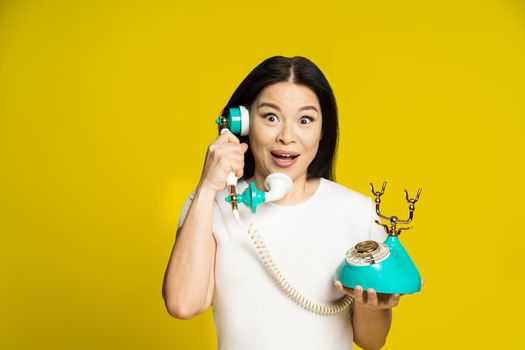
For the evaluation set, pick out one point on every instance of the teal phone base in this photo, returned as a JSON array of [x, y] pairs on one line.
[[397, 274]]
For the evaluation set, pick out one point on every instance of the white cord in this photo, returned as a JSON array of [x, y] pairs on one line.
[[283, 284]]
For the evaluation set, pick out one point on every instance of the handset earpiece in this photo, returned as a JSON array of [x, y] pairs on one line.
[[237, 121]]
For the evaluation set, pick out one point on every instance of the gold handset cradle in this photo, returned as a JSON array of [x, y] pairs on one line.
[[394, 220], [278, 186]]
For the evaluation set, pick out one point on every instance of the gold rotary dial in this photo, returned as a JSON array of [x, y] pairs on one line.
[[367, 253]]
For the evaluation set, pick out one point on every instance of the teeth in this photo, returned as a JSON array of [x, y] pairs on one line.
[[284, 155]]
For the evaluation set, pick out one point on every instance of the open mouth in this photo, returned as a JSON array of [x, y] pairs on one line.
[[284, 156], [284, 160]]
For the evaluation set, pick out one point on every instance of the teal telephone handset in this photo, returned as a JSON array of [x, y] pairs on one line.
[[238, 121], [386, 266]]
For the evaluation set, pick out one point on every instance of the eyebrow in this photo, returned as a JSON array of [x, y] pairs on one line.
[[268, 104]]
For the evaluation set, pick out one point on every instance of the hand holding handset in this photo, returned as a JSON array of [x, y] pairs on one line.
[[278, 185], [237, 122]]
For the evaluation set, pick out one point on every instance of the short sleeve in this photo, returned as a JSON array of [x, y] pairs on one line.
[[185, 209], [376, 232]]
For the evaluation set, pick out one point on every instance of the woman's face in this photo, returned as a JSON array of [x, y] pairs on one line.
[[285, 129]]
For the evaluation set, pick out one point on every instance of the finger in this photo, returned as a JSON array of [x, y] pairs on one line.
[[234, 158], [349, 291], [230, 148], [227, 137], [237, 164], [339, 286], [343, 289], [372, 298], [394, 300], [237, 169], [241, 148], [358, 294]]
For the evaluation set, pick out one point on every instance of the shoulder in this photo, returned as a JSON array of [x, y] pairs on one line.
[[347, 207], [342, 194]]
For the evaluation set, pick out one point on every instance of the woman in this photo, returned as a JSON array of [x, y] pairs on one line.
[[293, 130]]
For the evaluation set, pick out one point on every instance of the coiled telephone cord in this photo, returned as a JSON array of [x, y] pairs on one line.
[[283, 284]]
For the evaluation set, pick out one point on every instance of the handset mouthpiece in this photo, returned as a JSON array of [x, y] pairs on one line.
[[278, 186]]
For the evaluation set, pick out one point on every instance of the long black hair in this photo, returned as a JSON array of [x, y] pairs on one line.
[[302, 71]]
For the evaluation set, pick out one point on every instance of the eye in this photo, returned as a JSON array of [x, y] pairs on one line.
[[306, 119], [270, 117]]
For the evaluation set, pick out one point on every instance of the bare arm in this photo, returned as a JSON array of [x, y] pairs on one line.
[[189, 280], [371, 316], [371, 326]]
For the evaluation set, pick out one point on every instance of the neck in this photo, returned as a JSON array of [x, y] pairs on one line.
[[301, 189]]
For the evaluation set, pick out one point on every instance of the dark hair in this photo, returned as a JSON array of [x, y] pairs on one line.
[[299, 70]]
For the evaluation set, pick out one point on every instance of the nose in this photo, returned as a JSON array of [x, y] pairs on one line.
[[286, 134]]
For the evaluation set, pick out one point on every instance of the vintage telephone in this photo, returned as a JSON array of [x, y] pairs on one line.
[[278, 185], [386, 266]]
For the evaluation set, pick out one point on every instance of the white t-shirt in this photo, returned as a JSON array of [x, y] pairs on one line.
[[307, 242]]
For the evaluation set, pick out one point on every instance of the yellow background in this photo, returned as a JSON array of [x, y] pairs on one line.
[[107, 108]]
